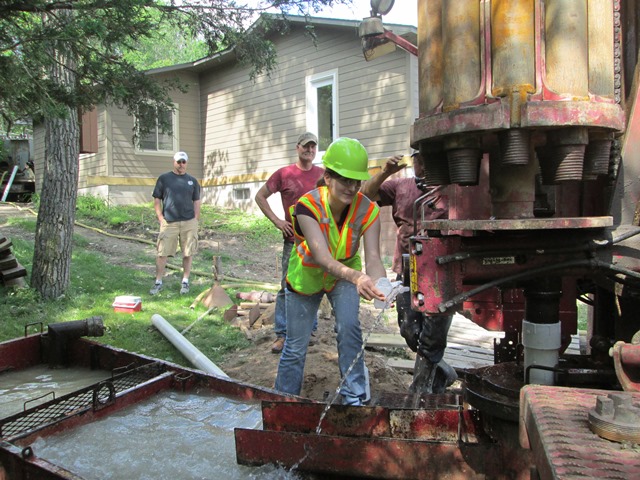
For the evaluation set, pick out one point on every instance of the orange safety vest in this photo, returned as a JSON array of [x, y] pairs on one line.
[[307, 277]]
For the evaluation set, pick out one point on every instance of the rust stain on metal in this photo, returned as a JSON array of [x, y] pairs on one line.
[[554, 420]]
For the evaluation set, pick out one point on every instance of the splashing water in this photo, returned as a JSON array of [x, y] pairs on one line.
[[169, 436], [395, 291]]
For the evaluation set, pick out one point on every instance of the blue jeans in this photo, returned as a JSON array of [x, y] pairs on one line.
[[301, 313], [280, 317]]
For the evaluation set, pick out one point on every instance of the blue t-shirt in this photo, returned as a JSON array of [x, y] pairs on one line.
[[177, 192]]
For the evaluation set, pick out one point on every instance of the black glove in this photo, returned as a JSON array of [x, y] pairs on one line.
[[409, 321], [433, 336]]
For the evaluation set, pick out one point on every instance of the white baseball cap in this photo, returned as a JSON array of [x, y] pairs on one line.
[[181, 156]]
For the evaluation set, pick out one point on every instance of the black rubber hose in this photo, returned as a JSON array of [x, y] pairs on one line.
[[592, 263]]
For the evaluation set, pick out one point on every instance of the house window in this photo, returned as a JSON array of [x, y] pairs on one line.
[[162, 125], [322, 108], [241, 194]]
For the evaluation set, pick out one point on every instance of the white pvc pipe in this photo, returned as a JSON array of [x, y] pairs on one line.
[[9, 183], [541, 343], [195, 356]]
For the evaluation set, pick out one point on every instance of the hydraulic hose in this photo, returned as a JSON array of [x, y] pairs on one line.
[[593, 245], [591, 263]]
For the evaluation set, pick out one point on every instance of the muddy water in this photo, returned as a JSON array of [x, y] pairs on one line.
[[27, 385], [170, 436]]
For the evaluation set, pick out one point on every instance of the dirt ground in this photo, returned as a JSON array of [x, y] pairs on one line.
[[257, 365]]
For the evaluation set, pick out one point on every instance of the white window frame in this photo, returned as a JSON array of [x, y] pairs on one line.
[[313, 83], [241, 194], [174, 138]]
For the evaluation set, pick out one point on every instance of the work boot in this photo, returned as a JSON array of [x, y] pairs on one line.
[[278, 345], [445, 376], [424, 374]]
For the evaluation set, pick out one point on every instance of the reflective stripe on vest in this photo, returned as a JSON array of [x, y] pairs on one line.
[[307, 277]]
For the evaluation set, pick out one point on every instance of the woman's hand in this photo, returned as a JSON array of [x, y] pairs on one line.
[[367, 288]]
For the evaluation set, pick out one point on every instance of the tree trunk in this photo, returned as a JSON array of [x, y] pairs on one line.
[[50, 274]]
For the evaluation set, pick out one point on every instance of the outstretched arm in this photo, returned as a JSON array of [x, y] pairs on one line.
[[320, 252], [370, 187], [373, 262]]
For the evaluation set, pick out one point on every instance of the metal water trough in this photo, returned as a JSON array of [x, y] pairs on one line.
[[133, 378]]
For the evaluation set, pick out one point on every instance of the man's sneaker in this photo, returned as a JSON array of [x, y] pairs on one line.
[[156, 289], [184, 289]]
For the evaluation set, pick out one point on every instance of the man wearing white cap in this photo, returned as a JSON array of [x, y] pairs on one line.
[[176, 199]]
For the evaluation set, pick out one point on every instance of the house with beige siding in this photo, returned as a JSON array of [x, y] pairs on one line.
[[238, 130]]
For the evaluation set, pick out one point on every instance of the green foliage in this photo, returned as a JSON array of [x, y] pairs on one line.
[[95, 211], [61, 58], [95, 283], [103, 46], [35, 200], [24, 223], [582, 316], [167, 45], [239, 222], [263, 229], [88, 204]]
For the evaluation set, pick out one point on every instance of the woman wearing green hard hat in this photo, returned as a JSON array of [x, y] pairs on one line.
[[329, 223]]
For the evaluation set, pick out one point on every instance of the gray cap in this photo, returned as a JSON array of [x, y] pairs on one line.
[[307, 137]]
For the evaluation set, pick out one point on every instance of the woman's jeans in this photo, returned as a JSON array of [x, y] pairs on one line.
[[280, 320], [301, 314]]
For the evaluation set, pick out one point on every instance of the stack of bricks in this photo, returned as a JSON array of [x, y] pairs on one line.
[[11, 272]]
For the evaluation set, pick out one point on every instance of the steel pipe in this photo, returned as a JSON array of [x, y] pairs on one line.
[[60, 335]]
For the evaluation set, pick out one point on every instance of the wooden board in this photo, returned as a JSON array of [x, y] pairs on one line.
[[468, 345], [8, 262], [12, 273]]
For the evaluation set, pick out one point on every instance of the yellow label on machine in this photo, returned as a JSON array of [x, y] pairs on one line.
[[413, 275]]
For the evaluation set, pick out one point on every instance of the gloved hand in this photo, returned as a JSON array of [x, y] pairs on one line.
[[390, 290], [410, 330], [409, 321]]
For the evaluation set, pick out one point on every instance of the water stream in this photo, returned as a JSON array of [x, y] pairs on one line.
[[387, 303]]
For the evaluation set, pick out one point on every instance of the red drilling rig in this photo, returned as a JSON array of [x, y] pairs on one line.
[[528, 125]]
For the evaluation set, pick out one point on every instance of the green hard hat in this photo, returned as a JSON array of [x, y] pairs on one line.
[[347, 157]]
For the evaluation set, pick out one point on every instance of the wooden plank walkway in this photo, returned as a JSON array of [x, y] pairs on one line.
[[468, 345]]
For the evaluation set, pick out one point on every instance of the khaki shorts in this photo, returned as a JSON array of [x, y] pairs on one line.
[[185, 233]]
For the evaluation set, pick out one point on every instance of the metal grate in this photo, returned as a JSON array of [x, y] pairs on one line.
[[95, 396]]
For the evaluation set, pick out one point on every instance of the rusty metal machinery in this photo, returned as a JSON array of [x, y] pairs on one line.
[[528, 125], [560, 427]]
